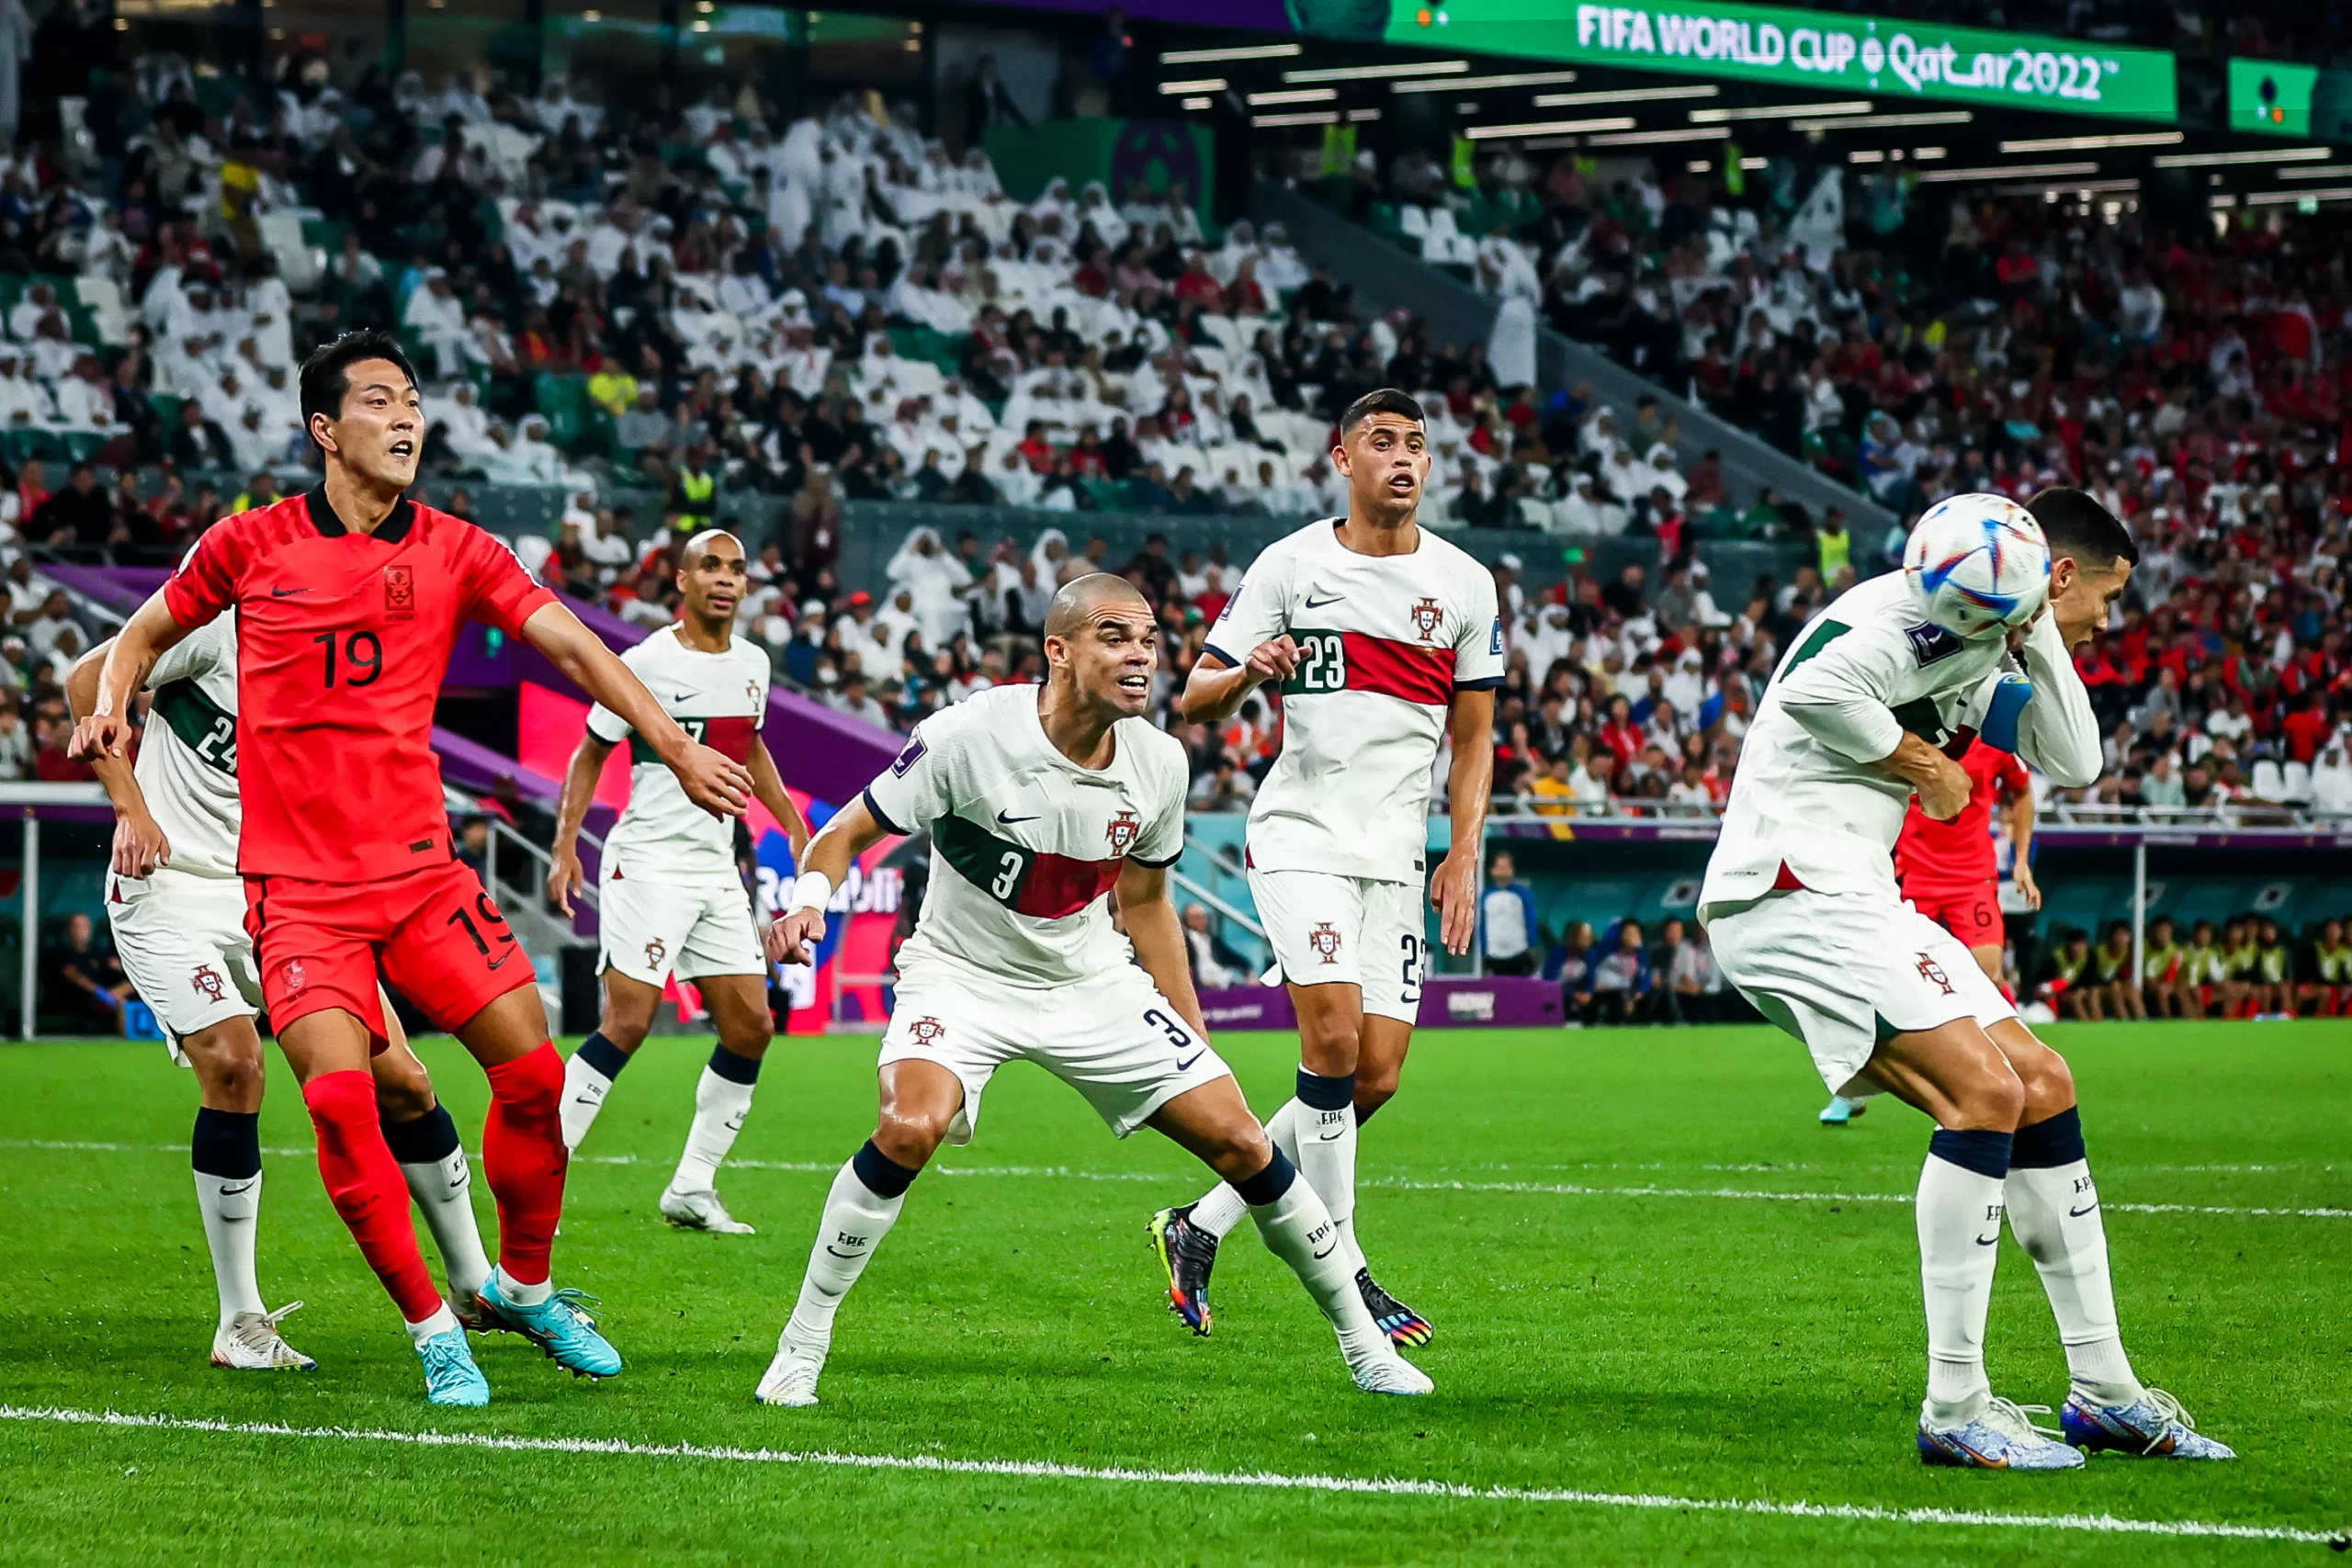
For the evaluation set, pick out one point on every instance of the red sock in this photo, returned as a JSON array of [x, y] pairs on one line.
[[523, 1159], [366, 1188]]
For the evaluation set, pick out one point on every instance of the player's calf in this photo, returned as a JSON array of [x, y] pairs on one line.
[[866, 1196]]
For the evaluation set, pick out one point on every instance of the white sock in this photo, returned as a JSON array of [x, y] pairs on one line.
[[231, 1211], [1958, 1214], [443, 1191], [720, 1105], [1327, 1157], [856, 1218], [1298, 1230], [1221, 1208], [523, 1296], [585, 1088], [441, 1322], [2054, 1212]]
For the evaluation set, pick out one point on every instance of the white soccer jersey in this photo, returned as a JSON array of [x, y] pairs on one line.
[[187, 755], [717, 698], [1025, 845], [1385, 642], [1809, 794]]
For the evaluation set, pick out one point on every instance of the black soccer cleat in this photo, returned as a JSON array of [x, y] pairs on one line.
[[1406, 1329], [1188, 1253]]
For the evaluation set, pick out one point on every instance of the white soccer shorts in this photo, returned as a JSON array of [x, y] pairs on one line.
[[653, 929], [1840, 971], [183, 943], [1347, 930], [1112, 1037]]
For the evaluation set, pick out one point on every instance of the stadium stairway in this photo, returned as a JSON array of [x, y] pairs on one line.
[[1385, 277]]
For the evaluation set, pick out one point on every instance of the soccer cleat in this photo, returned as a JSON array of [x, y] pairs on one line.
[[1405, 1328], [2001, 1438], [469, 1315], [1841, 1111], [700, 1212], [1374, 1362], [2156, 1428], [450, 1375], [1188, 1253], [557, 1325], [250, 1342], [791, 1378]]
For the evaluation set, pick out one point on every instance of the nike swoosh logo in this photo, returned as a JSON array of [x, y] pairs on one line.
[[1993, 1240], [849, 1256], [1008, 818], [504, 957], [2078, 1213], [588, 1100], [1329, 1250], [282, 592], [1188, 1061], [239, 1190], [1315, 604], [686, 697]]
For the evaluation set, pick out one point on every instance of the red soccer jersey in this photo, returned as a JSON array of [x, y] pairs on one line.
[[1934, 856], [342, 641]]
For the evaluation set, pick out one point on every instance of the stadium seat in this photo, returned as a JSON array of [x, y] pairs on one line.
[[2296, 783]]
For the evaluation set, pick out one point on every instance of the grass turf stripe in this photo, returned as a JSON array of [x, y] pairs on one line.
[[1377, 1486], [1391, 1184]]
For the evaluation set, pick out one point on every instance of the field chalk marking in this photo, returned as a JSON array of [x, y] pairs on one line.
[[2096, 1523]]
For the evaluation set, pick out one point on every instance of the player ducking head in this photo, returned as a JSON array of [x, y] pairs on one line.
[[1102, 643], [360, 404], [712, 578], [2091, 557], [1384, 454]]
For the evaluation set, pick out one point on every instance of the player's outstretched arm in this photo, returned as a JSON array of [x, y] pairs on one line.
[[565, 878], [139, 845], [794, 937], [1454, 891], [767, 787], [1158, 938], [105, 730], [720, 786], [2021, 814], [1214, 690]]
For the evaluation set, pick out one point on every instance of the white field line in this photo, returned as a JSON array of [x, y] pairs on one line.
[[1393, 1184], [1271, 1481]]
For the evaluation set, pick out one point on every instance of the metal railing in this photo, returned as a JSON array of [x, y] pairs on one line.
[[2285, 818]]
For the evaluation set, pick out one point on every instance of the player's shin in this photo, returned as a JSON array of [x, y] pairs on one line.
[[862, 1205], [1222, 1208], [1326, 1131], [364, 1183], [722, 1099], [524, 1159], [225, 1150], [434, 1162], [1959, 1214], [1298, 1230], [2053, 1209], [587, 1080]]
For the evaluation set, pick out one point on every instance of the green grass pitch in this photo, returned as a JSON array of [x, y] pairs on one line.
[[1622, 1310]]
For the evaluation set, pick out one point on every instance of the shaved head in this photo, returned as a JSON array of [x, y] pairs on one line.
[[1075, 604], [705, 539]]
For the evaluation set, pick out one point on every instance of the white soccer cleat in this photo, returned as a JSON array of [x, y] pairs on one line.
[[2003, 1437], [700, 1212], [791, 1378], [250, 1342], [1374, 1362]]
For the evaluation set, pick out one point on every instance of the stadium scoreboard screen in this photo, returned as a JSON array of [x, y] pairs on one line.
[[1814, 49]]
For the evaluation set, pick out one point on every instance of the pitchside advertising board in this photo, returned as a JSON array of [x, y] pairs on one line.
[[1810, 48]]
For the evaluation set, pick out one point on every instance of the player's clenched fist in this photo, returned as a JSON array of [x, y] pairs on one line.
[[795, 936], [720, 786], [100, 735], [1274, 659], [1943, 793]]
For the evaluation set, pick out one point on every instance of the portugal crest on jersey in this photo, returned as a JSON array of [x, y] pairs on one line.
[[1122, 832], [1325, 939], [1932, 971], [655, 952], [1428, 616], [927, 1032], [208, 982]]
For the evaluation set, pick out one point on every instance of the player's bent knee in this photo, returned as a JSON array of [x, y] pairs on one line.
[[911, 1139], [533, 1078], [228, 1069], [404, 1095]]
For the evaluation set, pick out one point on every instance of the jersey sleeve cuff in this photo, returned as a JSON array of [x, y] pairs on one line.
[[1482, 683], [1212, 648], [874, 808], [1157, 865]]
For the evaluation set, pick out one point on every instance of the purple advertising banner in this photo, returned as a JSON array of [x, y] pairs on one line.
[[1267, 16], [1454, 1002]]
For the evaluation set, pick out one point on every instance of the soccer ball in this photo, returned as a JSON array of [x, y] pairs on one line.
[[1978, 564]]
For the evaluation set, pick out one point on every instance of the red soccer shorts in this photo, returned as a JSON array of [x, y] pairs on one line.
[[434, 934], [1973, 915]]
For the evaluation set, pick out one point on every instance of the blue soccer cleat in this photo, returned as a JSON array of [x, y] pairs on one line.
[[2001, 1438], [450, 1375], [557, 1325], [2154, 1428], [1841, 1111]]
